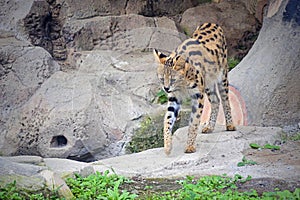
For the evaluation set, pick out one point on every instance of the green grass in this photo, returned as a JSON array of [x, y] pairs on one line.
[[99, 186], [12, 192], [232, 63], [110, 186]]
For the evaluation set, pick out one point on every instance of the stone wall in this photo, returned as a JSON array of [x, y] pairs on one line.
[[268, 77]]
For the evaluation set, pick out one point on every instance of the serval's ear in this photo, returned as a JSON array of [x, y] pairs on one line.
[[179, 63], [159, 57]]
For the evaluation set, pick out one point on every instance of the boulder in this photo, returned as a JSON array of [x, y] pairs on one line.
[[268, 77], [151, 8], [121, 33], [23, 69], [88, 114], [234, 18], [27, 176]]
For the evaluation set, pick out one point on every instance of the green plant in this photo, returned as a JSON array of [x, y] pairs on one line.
[[213, 187], [232, 62], [161, 97], [295, 137], [150, 133], [11, 192], [246, 162], [266, 146], [282, 194], [103, 186]]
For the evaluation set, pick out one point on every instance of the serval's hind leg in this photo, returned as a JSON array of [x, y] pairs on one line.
[[224, 90], [214, 101], [197, 108]]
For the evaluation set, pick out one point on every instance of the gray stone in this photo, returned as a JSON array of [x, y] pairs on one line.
[[35, 160], [268, 77], [91, 8], [54, 181], [23, 70], [26, 175], [124, 33], [9, 167], [208, 158], [217, 153], [11, 14], [64, 167], [89, 114]]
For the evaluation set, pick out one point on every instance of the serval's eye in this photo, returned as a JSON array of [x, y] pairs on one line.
[[161, 79], [173, 80]]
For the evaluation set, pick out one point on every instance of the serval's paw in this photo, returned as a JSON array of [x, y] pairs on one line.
[[168, 148], [167, 151], [230, 127], [190, 149], [207, 129]]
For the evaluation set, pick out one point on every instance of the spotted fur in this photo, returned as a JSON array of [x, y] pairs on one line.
[[200, 65]]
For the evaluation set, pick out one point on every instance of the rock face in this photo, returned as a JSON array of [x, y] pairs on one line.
[[270, 72], [121, 33], [23, 69], [88, 110]]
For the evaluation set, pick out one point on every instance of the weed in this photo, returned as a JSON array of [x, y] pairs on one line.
[[266, 146], [232, 62], [107, 186], [11, 192], [161, 97], [246, 162], [99, 186], [295, 137]]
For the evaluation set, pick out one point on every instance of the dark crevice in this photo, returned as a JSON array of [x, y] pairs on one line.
[[44, 28]]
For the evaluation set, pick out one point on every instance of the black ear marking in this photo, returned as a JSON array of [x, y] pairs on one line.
[[159, 54]]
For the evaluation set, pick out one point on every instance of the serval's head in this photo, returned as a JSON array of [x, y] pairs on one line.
[[170, 70]]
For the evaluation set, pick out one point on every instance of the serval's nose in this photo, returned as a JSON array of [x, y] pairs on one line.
[[166, 89]]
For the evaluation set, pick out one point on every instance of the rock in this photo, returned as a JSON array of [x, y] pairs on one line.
[[35, 160], [207, 160], [85, 115], [257, 8], [124, 33], [234, 18], [26, 175], [53, 180], [23, 70], [10, 167], [43, 27], [217, 153], [11, 15], [151, 8], [268, 76], [69, 166]]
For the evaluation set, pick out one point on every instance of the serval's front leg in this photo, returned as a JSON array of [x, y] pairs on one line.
[[169, 120], [197, 108]]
